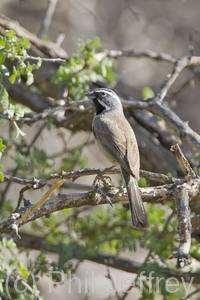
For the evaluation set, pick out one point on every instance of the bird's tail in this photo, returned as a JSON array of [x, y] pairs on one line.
[[139, 217]]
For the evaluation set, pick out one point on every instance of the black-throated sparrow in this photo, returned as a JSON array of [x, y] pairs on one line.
[[116, 140]]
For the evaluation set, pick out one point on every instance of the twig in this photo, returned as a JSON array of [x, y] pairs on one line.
[[31, 290], [173, 95], [56, 59], [183, 162], [169, 80], [191, 39], [48, 17], [33, 208], [193, 293], [81, 106], [109, 276], [154, 126], [14, 171], [88, 172], [160, 235], [21, 193], [59, 40], [160, 56], [19, 131], [171, 118]]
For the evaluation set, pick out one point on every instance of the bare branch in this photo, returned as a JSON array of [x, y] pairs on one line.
[[169, 80], [133, 267], [21, 193], [171, 118], [49, 49], [47, 18], [191, 39], [183, 162], [109, 276], [150, 194], [159, 56], [29, 240], [38, 183], [44, 198], [37, 58]]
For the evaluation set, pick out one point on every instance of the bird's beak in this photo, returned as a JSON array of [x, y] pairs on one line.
[[91, 95]]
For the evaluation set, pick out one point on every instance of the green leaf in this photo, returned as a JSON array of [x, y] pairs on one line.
[[4, 101], [1, 176], [39, 63], [23, 271], [10, 34], [2, 42], [24, 43], [12, 78], [30, 78], [29, 67], [4, 71], [2, 57], [147, 93], [2, 146]]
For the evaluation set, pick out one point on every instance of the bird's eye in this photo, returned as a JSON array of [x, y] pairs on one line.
[[103, 94]]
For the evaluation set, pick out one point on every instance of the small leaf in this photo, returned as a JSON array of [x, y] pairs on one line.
[[30, 78], [23, 271], [4, 71], [2, 146], [2, 57], [29, 67], [147, 93], [12, 78], [1, 176], [10, 34], [2, 42]]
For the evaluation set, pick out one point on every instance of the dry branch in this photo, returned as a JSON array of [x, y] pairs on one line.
[[183, 162], [158, 194]]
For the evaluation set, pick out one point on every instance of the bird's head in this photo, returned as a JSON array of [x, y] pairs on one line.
[[104, 100]]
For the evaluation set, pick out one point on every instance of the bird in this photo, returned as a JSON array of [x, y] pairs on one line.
[[116, 140]]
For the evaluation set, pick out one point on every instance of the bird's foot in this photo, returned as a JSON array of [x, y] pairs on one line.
[[101, 185]]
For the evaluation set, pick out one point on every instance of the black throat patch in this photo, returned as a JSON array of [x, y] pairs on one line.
[[99, 107]]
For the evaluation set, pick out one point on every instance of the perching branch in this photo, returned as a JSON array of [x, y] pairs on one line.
[[39, 183], [156, 194]]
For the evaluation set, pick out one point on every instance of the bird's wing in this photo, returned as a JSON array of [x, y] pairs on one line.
[[119, 143]]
